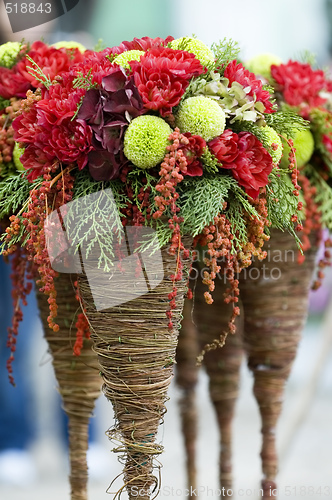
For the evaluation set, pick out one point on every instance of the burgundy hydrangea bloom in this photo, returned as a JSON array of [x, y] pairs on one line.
[[250, 166], [12, 84], [236, 72], [53, 62], [144, 44], [192, 151], [299, 84], [162, 76], [108, 112]]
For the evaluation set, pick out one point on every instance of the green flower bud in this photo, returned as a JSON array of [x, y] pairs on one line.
[[146, 140], [261, 64], [304, 145], [272, 143], [17, 153], [194, 46], [202, 116], [8, 53], [124, 58], [69, 45]]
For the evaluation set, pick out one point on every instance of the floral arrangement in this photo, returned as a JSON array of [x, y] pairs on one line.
[[307, 91], [15, 80], [185, 136]]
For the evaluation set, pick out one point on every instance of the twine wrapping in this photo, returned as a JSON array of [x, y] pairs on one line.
[[78, 378], [222, 366], [187, 378], [136, 352], [275, 309]]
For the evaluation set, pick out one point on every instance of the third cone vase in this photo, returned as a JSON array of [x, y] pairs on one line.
[[187, 378], [222, 366], [136, 352], [274, 294], [78, 378]]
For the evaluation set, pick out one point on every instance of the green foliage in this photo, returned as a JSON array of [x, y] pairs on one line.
[[280, 212], [225, 51], [202, 199], [210, 162], [100, 45], [84, 81], [14, 193], [38, 73], [4, 102], [323, 196], [92, 224], [286, 122]]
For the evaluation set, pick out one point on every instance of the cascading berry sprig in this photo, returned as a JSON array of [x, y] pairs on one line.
[[172, 172]]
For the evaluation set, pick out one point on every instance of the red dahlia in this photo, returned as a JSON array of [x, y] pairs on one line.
[[192, 151], [144, 43], [247, 158], [162, 75], [236, 72], [12, 84], [299, 84], [53, 62]]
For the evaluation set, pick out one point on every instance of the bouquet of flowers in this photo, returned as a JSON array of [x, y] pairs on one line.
[[153, 145], [280, 306], [77, 378]]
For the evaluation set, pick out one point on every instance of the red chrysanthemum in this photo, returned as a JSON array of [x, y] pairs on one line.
[[53, 62], [250, 166], [162, 75], [144, 43], [193, 151], [35, 159], [97, 64], [236, 72], [12, 84], [59, 102], [70, 142], [299, 84], [48, 126]]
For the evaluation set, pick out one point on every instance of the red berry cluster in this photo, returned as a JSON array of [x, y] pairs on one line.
[[22, 286], [312, 220], [326, 261], [171, 174], [218, 239], [7, 132], [82, 327], [295, 181], [137, 215]]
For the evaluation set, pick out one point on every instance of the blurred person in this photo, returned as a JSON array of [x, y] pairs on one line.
[[17, 429]]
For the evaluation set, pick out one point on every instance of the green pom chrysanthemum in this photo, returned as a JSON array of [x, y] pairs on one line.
[[304, 145], [17, 153], [194, 46], [69, 45], [8, 53], [202, 116], [272, 143], [261, 64], [145, 141], [131, 55]]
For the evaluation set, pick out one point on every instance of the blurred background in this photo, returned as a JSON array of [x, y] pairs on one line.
[[287, 28]]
